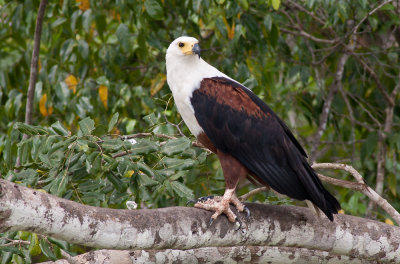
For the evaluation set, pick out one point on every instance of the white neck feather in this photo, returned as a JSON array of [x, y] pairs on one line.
[[184, 74]]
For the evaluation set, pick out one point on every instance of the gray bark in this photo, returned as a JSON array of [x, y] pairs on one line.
[[185, 228], [238, 254]]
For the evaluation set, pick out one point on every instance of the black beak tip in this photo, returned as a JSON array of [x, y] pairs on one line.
[[196, 49]]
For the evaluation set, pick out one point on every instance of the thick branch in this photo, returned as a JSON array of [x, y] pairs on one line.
[[22, 208], [236, 254]]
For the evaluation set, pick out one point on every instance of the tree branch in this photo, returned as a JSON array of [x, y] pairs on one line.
[[185, 228], [234, 254], [302, 33], [34, 62], [364, 188]]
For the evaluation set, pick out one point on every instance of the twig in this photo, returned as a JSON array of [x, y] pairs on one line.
[[309, 36], [368, 191], [342, 183], [246, 196], [175, 125], [15, 242]]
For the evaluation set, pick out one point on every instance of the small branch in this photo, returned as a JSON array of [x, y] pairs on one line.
[[342, 183], [246, 196], [368, 191], [174, 125], [309, 36], [34, 62], [15, 242]]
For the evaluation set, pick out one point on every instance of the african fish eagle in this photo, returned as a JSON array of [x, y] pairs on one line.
[[249, 139]]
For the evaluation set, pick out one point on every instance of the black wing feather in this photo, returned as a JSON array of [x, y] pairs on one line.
[[262, 142]]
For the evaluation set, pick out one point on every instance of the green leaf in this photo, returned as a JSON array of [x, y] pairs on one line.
[[174, 146], [83, 49], [87, 20], [113, 121], [58, 22], [387, 7], [369, 145], [182, 190], [151, 119], [86, 126], [59, 185], [143, 146], [392, 183], [146, 180], [29, 129], [244, 4], [113, 144], [45, 247], [178, 164], [60, 243], [154, 9], [59, 129], [178, 175], [34, 247], [276, 4], [118, 184]]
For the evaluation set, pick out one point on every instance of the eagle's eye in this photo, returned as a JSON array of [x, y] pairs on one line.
[[181, 44]]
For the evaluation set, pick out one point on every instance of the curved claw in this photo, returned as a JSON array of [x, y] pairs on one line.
[[210, 222], [200, 199], [247, 211], [191, 202], [238, 222]]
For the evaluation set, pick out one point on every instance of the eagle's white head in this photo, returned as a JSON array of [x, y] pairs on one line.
[[185, 67], [183, 47]]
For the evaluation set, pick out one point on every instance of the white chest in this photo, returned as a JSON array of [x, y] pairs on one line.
[[182, 96], [184, 77]]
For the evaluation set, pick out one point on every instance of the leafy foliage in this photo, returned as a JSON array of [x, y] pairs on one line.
[[102, 76]]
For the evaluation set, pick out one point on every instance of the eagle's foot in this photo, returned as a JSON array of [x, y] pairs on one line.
[[220, 205]]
